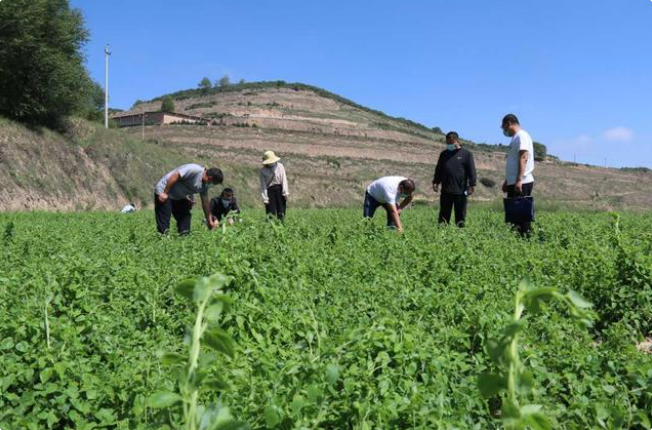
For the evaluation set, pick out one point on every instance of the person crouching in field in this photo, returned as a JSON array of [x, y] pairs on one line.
[[174, 196], [273, 186], [387, 192], [224, 205], [455, 172]]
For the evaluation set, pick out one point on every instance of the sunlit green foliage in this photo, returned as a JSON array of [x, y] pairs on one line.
[[335, 323]]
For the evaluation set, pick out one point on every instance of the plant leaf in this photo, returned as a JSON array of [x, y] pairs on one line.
[[163, 399], [272, 417], [332, 373], [185, 288], [219, 340], [171, 358], [578, 301], [216, 384], [491, 384]]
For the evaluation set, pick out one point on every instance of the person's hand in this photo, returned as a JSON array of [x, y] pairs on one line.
[[435, 187], [505, 187], [470, 191], [163, 197], [211, 223], [518, 187], [286, 197]]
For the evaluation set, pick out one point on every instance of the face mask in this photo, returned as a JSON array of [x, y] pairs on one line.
[[272, 166], [450, 147], [506, 133], [402, 196], [226, 202]]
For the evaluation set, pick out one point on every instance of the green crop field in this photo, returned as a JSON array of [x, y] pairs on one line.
[[332, 323]]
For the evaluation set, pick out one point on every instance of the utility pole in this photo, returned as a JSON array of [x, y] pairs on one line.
[[106, 85], [143, 125]]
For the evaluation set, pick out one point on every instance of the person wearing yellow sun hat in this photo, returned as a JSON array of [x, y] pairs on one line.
[[274, 186]]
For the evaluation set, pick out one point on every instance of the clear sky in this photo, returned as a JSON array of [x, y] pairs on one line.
[[577, 73]]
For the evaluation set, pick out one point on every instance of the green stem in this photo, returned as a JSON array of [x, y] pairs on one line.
[[47, 326], [192, 367], [514, 362]]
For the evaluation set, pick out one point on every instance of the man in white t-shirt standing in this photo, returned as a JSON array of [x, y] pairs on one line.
[[520, 164], [387, 192]]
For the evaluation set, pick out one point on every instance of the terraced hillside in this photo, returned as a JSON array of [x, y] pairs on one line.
[[333, 147]]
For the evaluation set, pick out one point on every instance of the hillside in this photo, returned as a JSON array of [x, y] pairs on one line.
[[331, 146], [89, 168]]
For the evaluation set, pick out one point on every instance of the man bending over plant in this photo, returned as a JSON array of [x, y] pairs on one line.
[[387, 192], [174, 196]]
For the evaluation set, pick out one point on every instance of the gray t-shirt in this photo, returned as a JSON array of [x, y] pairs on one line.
[[189, 182]]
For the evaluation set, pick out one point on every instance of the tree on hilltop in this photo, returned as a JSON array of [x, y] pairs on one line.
[[205, 85], [224, 81], [167, 104]]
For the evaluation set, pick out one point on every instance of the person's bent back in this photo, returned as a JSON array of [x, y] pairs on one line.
[[387, 192], [174, 196]]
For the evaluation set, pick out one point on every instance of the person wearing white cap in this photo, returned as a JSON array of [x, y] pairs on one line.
[[273, 185]]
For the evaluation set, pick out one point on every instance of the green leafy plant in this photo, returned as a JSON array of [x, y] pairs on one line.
[[514, 378], [207, 295]]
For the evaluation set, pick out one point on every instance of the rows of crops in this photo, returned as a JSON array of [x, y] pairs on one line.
[[336, 324]]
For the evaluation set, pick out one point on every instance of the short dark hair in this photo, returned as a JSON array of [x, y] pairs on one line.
[[216, 175], [228, 190], [408, 185], [510, 118], [452, 134]]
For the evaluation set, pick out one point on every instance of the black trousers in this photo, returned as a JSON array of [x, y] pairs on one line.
[[446, 204], [277, 204], [523, 228], [369, 209], [180, 209]]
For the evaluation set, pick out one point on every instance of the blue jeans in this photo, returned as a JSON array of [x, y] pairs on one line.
[[370, 206]]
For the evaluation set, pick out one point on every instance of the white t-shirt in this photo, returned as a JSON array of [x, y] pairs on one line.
[[520, 142], [128, 209], [385, 190]]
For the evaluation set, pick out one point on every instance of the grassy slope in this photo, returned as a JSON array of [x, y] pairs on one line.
[[89, 168]]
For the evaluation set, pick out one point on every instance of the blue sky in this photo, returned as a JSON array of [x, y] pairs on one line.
[[577, 73]]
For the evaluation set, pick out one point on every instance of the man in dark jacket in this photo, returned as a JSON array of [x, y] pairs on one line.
[[455, 173], [222, 205]]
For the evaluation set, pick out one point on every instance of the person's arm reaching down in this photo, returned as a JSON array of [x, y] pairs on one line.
[[211, 222], [471, 174], [234, 206], [286, 189], [174, 178], [436, 180], [393, 214], [263, 188], [406, 201], [522, 162]]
